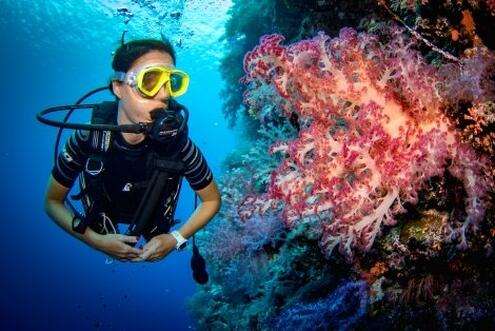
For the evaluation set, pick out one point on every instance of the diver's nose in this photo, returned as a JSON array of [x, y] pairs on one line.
[[163, 93]]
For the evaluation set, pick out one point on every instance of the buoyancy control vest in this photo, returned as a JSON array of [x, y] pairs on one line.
[[147, 204]]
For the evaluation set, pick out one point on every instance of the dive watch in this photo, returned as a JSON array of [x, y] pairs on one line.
[[181, 241]]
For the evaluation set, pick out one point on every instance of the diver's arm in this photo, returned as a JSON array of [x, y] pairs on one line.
[[61, 215], [115, 245], [210, 204], [160, 246]]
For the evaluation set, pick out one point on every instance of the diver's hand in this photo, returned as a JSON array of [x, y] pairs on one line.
[[158, 247], [117, 246]]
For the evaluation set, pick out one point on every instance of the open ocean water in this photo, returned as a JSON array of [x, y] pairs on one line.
[[52, 53]]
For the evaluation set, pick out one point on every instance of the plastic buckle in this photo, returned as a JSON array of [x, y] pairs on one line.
[[94, 166]]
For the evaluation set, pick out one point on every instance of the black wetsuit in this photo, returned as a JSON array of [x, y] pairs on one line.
[[126, 169]]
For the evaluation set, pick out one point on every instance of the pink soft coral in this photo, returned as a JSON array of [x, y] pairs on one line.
[[373, 133]]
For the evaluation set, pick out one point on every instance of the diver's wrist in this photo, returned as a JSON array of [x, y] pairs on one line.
[[181, 242], [92, 238]]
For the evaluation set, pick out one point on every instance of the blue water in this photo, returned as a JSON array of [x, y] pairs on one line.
[[52, 52]]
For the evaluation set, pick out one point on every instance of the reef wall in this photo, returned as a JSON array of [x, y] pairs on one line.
[[364, 196]]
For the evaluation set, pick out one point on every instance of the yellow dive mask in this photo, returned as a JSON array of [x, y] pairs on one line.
[[149, 79]]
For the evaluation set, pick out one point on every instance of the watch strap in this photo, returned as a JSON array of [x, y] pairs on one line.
[[181, 241]]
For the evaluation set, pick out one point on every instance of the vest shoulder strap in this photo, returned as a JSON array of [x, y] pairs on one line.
[[106, 113]]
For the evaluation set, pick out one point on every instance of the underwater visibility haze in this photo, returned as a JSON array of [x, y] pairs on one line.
[[353, 145]]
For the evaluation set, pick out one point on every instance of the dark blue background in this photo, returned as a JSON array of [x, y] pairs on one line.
[[50, 281]]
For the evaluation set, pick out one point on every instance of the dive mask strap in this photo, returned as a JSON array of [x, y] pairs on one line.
[[128, 78]]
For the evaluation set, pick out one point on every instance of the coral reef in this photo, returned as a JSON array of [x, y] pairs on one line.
[[452, 25], [339, 311], [294, 19], [373, 134], [379, 143]]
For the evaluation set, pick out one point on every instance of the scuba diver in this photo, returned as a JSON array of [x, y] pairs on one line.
[[131, 160]]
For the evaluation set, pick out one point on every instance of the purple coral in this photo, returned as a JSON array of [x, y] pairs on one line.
[[339, 311]]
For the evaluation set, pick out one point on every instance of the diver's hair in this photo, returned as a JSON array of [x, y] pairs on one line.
[[129, 52]]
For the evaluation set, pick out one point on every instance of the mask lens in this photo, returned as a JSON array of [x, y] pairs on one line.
[[176, 82], [151, 79]]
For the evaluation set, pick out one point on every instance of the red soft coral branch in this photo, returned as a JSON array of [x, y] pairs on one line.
[[373, 134]]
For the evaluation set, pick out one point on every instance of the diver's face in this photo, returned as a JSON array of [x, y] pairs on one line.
[[133, 106]]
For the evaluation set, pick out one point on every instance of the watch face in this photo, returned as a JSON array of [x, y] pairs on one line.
[[182, 246], [76, 222]]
